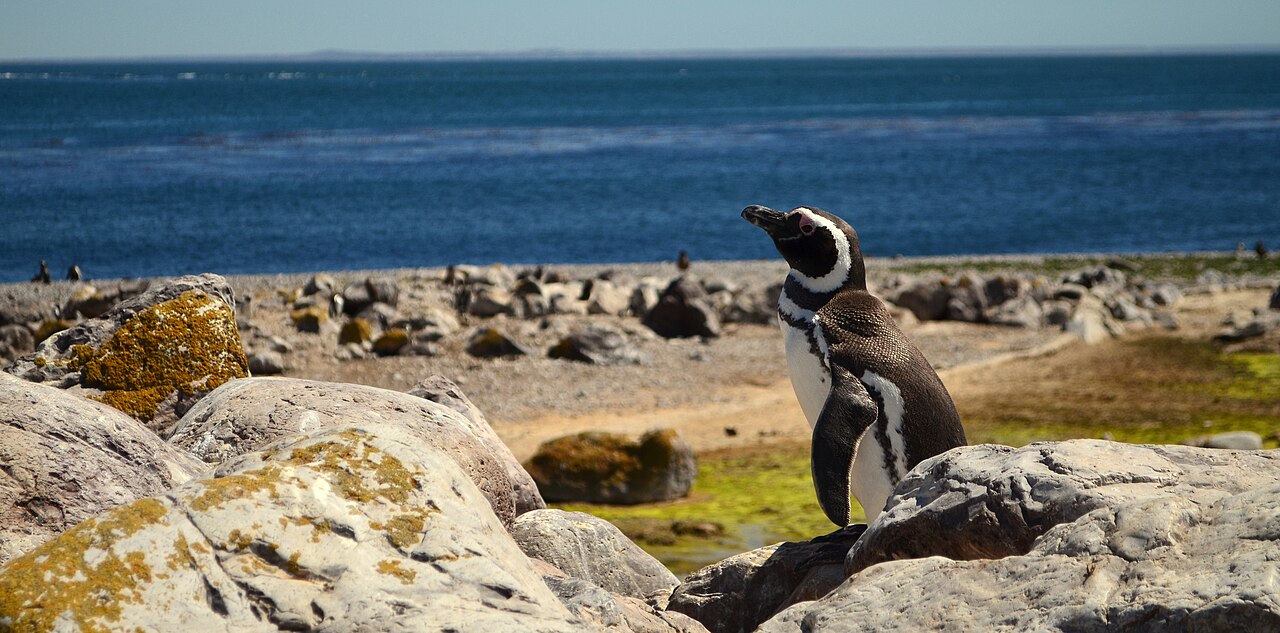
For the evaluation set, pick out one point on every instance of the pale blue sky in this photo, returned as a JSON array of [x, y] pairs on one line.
[[114, 28]]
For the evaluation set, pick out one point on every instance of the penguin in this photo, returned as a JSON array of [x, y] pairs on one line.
[[874, 404]]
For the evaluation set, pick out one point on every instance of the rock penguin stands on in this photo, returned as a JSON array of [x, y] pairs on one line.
[[875, 404]]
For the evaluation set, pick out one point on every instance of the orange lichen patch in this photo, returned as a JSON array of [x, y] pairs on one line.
[[391, 342], [599, 459], [188, 344], [393, 568], [217, 492], [79, 575], [357, 330]]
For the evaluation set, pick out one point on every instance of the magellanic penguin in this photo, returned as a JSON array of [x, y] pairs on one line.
[[874, 403]]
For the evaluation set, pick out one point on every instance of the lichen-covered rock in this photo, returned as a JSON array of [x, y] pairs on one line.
[[309, 319], [597, 345], [443, 391], [243, 415], [590, 548], [355, 528], [49, 327], [1122, 538], [738, 593], [490, 342], [609, 468], [391, 342], [992, 501], [64, 458], [356, 331], [151, 356]]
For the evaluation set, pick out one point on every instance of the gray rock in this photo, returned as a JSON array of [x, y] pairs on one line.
[[432, 325], [1107, 537], [592, 549], [1100, 277], [1234, 440], [489, 301], [645, 295], [1022, 312], [354, 528], [243, 415], [597, 345], [322, 285], [610, 468], [993, 501], [1259, 325], [64, 458], [490, 342], [189, 321], [1166, 294], [682, 312], [926, 300], [600, 610], [967, 299], [754, 304], [380, 314], [1274, 302], [738, 593], [266, 363], [1071, 291], [383, 290], [606, 297], [15, 340], [90, 303], [1089, 325], [1056, 312], [445, 392]]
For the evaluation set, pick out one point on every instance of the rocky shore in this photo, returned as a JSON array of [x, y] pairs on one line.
[[148, 479]]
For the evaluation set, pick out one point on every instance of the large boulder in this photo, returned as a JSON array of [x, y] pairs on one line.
[[736, 594], [600, 610], [64, 458], [1084, 535], [351, 528], [601, 467], [152, 356], [443, 391], [244, 415], [597, 345], [993, 501], [682, 311], [592, 549]]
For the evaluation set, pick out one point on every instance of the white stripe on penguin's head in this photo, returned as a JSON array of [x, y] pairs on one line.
[[839, 273]]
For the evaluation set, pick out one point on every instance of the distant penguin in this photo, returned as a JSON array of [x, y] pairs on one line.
[[1260, 249], [875, 404], [43, 276], [73, 273], [682, 261]]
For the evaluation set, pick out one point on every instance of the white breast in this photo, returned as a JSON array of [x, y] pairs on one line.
[[869, 480]]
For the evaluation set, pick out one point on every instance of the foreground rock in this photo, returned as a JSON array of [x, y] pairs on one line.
[[152, 356], [738, 593], [244, 415], [1082, 536], [609, 468], [592, 549], [64, 459], [353, 528], [600, 610]]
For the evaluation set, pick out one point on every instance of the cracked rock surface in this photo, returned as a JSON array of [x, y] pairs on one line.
[[348, 528], [1084, 536]]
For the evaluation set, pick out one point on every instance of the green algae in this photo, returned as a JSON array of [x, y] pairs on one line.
[[759, 496]]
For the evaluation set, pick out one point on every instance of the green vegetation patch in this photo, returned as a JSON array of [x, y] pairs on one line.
[[743, 499]]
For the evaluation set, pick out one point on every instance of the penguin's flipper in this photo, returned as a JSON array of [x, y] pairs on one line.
[[848, 412]]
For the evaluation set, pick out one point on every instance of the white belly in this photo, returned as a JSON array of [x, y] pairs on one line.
[[869, 479]]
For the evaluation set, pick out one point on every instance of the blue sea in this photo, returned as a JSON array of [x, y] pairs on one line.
[[144, 169]]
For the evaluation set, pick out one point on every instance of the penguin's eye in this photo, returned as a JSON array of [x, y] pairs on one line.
[[806, 226]]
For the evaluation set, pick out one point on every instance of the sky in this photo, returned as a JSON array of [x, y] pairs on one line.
[[56, 29]]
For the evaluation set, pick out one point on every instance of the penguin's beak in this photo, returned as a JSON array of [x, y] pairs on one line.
[[773, 222]]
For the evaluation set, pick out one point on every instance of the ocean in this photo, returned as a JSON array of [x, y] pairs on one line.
[[144, 169]]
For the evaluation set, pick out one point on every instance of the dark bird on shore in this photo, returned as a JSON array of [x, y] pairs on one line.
[[43, 276], [682, 261], [874, 403], [1260, 249], [73, 273]]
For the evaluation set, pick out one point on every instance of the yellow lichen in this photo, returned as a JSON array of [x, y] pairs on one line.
[[391, 342], [188, 344], [393, 568], [57, 579], [356, 330]]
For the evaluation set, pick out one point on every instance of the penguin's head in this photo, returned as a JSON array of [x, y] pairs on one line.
[[821, 248]]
